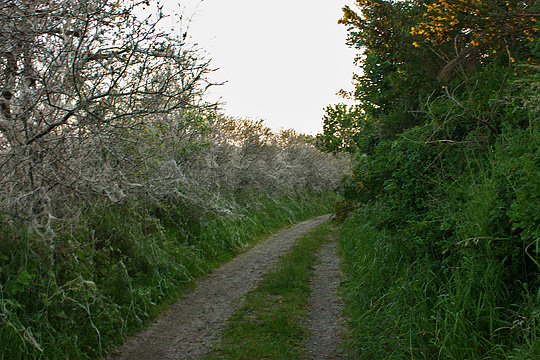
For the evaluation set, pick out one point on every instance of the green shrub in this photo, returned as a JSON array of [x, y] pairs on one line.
[[452, 229], [79, 295]]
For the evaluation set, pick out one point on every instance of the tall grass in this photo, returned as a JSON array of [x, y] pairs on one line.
[[407, 307], [458, 279], [79, 295]]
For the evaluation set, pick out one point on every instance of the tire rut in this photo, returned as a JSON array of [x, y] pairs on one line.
[[186, 329], [325, 321]]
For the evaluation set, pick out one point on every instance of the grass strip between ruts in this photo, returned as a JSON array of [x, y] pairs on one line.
[[269, 324]]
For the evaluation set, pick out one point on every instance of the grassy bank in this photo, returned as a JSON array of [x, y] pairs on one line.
[[412, 296], [80, 294]]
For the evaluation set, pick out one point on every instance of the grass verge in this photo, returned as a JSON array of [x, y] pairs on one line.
[[406, 306], [269, 324], [79, 296]]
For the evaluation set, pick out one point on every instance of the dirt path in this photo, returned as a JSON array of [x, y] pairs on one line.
[[325, 321], [185, 330]]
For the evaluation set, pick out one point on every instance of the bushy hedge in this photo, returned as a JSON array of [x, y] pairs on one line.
[[441, 240], [442, 248]]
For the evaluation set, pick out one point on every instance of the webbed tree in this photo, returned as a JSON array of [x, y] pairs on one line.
[[88, 93]]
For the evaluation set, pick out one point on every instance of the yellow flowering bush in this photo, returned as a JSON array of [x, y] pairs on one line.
[[479, 22]]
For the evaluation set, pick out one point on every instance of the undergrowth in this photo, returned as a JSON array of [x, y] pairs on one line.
[[81, 294], [441, 234], [450, 271]]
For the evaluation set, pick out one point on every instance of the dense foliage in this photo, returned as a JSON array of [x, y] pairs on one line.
[[441, 240], [119, 183]]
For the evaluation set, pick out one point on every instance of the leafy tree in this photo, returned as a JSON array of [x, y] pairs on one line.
[[341, 128], [414, 51], [394, 71]]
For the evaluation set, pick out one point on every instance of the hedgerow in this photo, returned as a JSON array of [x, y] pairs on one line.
[[441, 249]]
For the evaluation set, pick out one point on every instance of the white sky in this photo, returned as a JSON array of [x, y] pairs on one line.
[[283, 60]]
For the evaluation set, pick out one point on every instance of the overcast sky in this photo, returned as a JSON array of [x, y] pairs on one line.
[[283, 60]]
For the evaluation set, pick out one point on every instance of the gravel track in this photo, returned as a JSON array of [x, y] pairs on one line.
[[325, 321], [186, 329]]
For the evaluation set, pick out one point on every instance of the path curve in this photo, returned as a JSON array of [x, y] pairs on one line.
[[185, 330]]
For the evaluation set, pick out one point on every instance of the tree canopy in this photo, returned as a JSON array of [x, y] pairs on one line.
[[410, 50]]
